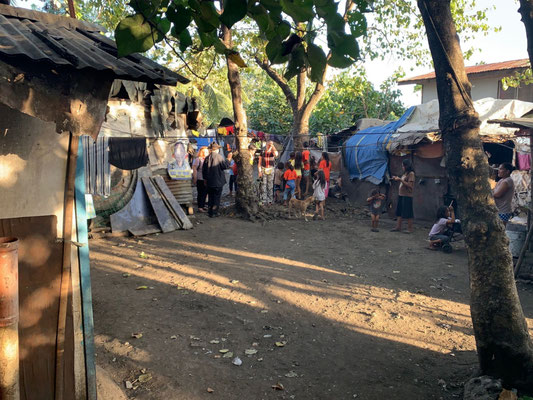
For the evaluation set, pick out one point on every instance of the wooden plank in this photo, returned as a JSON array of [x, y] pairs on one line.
[[165, 220], [185, 222], [147, 230], [40, 257], [85, 280], [61, 375]]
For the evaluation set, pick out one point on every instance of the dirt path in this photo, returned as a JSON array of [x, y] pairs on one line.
[[329, 310]]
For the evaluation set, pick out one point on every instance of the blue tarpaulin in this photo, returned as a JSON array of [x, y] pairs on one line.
[[366, 151]]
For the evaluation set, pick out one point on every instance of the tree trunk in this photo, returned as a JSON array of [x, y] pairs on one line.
[[503, 344], [526, 10], [245, 198]]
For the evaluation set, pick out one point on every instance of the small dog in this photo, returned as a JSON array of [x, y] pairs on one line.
[[300, 206]]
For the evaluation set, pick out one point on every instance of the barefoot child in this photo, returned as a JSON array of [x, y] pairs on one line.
[[319, 188], [278, 182], [290, 185], [375, 203], [445, 220]]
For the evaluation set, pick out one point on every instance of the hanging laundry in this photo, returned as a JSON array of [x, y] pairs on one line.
[[524, 161], [128, 153], [97, 169]]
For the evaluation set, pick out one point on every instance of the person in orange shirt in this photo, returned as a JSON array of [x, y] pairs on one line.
[[325, 165], [290, 185], [306, 155]]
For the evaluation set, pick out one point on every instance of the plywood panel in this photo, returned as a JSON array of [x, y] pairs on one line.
[[40, 258]]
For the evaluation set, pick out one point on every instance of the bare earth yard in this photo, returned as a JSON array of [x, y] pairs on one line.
[[314, 310]]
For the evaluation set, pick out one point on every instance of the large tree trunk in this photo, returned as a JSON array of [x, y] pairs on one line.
[[504, 347], [245, 200], [526, 10]]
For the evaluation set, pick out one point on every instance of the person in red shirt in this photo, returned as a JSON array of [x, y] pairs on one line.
[[325, 165], [290, 185], [306, 155]]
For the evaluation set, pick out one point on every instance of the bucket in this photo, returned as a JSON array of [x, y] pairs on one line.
[[517, 237]]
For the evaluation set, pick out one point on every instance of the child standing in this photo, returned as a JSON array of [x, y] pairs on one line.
[[375, 203], [325, 165], [445, 220], [319, 192], [298, 165], [278, 182], [232, 175], [290, 185]]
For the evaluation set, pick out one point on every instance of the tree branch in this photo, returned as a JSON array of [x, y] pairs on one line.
[[300, 89], [282, 83]]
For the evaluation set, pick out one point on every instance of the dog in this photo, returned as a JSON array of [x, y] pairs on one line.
[[300, 206]]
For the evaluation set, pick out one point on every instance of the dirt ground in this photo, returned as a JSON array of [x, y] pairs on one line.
[[313, 310]]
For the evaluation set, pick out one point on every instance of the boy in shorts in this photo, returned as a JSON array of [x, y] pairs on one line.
[[375, 203]]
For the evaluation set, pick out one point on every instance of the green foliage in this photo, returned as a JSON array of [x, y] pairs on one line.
[[350, 96], [275, 19], [406, 37], [518, 79]]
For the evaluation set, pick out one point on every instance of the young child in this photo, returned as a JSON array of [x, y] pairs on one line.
[[278, 182], [232, 175], [290, 185], [375, 203], [319, 192], [445, 220]]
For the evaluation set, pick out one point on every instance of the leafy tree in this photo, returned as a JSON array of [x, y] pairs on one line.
[[154, 20], [503, 344], [350, 96]]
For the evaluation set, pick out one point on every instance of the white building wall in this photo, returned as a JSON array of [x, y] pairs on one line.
[[32, 167], [481, 88]]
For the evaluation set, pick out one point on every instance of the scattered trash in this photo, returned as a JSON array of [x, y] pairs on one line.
[[125, 274], [234, 281], [137, 335], [237, 361], [255, 344], [250, 352], [267, 336], [173, 337], [141, 287], [291, 374], [209, 390], [143, 255], [260, 359], [229, 354], [223, 351], [128, 385], [278, 386], [264, 311], [145, 378], [214, 341], [281, 344], [395, 272]]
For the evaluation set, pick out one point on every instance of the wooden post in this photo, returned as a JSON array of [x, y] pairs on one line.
[[9, 318], [65, 275]]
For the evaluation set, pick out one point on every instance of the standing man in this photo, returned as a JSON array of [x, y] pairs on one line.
[[267, 163], [213, 172]]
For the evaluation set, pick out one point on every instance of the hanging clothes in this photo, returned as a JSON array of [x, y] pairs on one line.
[[524, 161], [128, 153], [97, 168]]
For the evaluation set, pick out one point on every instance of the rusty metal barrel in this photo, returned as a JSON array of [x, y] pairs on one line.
[[9, 317]]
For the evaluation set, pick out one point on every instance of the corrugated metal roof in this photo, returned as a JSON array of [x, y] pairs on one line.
[[475, 69], [70, 43]]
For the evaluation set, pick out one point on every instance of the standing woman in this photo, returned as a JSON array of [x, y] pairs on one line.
[[325, 165], [503, 192], [404, 209], [198, 178]]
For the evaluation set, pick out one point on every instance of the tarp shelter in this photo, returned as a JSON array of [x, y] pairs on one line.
[[55, 77], [367, 151]]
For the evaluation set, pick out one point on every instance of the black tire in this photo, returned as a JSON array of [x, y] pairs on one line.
[[447, 248]]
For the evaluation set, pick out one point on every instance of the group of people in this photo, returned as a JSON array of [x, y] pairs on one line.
[[279, 182]]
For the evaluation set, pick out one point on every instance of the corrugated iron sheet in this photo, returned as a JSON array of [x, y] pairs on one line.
[[475, 69], [66, 42]]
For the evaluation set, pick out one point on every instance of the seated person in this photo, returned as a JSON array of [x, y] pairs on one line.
[[445, 220]]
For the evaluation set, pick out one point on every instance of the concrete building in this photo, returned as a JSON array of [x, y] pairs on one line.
[[485, 80]]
